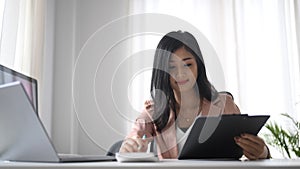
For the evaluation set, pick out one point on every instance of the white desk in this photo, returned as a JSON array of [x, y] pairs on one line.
[[165, 164]]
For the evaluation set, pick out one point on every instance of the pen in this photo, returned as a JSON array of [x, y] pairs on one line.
[[143, 138]]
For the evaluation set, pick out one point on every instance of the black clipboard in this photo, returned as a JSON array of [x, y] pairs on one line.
[[213, 137]]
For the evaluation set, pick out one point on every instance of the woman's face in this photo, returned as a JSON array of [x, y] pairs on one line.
[[183, 70]]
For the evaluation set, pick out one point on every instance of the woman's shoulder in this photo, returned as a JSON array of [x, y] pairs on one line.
[[224, 102], [222, 97], [225, 97], [227, 100]]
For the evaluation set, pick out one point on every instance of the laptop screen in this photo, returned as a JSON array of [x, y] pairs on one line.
[[8, 75]]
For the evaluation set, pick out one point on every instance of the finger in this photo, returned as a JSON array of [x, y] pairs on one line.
[[256, 142], [140, 134], [140, 144], [143, 144], [122, 148], [245, 142], [249, 155], [131, 145], [144, 138], [253, 138], [126, 148], [249, 145]]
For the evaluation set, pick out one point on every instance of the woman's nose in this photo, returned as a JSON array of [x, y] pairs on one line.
[[180, 72]]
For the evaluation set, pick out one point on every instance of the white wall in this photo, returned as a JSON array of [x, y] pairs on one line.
[[64, 40], [75, 22], [46, 113]]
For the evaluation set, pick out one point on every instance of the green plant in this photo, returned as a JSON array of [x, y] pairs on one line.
[[282, 139]]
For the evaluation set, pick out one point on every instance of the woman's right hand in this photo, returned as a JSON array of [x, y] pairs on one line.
[[134, 145]]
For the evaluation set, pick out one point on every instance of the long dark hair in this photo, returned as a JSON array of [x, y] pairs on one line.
[[161, 90]]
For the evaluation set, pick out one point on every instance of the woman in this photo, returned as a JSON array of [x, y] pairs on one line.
[[180, 92]]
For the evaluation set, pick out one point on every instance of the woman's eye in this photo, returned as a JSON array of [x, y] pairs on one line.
[[171, 67], [188, 65]]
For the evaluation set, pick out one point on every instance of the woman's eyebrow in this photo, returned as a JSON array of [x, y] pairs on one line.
[[184, 59]]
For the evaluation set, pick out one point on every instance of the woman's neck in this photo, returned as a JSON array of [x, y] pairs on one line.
[[188, 108], [187, 100]]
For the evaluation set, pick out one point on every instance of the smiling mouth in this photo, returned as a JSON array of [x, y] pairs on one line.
[[182, 82]]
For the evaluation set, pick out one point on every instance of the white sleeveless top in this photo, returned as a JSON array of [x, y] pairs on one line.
[[182, 136]]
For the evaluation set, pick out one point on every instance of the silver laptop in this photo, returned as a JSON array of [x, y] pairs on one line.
[[22, 135]]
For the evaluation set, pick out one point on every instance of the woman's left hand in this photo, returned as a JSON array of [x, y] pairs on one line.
[[253, 146]]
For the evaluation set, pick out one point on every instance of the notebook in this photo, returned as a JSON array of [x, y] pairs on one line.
[[213, 137], [23, 136]]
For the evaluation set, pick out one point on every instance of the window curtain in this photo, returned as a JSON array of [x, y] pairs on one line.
[[22, 43], [267, 56], [257, 43]]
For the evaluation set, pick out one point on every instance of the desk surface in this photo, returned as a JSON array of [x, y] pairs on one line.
[[166, 164]]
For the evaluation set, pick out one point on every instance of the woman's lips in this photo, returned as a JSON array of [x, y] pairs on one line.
[[182, 82]]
